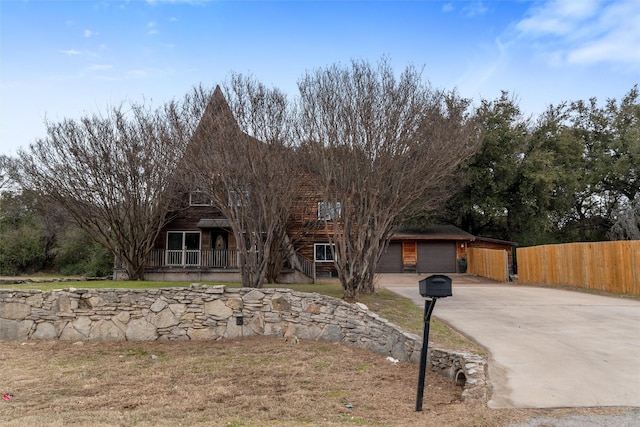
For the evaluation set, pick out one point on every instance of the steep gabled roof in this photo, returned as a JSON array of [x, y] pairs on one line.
[[218, 114]]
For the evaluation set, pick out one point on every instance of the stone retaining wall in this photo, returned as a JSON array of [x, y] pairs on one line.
[[214, 312]]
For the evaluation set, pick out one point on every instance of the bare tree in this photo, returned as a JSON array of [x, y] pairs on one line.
[[242, 156], [627, 222], [381, 149], [114, 174], [6, 165]]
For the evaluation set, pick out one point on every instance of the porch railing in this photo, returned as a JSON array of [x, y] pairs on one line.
[[307, 266], [193, 258], [160, 258]]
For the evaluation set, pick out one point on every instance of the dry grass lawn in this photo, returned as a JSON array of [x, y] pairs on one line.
[[246, 382]]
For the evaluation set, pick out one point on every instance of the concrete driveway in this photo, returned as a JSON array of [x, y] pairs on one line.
[[548, 348]]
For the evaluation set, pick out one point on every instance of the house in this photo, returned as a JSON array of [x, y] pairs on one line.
[[198, 244]]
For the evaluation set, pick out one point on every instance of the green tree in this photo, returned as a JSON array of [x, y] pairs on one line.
[[563, 178], [490, 182], [76, 253], [623, 151], [607, 178], [24, 242]]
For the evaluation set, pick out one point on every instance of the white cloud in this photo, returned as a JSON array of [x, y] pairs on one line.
[[585, 32], [89, 33], [152, 31], [70, 52], [447, 7], [558, 17], [137, 74], [100, 67], [474, 9]]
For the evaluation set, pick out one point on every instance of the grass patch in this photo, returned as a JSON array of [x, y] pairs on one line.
[[362, 367], [135, 352], [336, 394], [329, 289], [107, 284]]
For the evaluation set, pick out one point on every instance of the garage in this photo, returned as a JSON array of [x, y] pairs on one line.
[[391, 260], [436, 257]]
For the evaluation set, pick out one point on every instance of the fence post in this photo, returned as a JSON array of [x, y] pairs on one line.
[[506, 265]]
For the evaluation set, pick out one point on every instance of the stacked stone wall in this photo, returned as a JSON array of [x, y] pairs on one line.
[[202, 312]]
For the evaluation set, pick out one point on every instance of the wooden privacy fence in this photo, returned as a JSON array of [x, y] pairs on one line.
[[605, 266], [490, 263]]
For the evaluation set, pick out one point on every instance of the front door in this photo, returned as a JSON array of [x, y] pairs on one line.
[[409, 256], [219, 246]]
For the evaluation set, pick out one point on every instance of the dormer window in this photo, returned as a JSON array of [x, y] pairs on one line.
[[199, 198], [238, 198], [328, 211]]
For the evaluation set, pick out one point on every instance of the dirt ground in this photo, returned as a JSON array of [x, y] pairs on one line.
[[248, 382]]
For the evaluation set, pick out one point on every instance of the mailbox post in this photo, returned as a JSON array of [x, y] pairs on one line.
[[433, 287]]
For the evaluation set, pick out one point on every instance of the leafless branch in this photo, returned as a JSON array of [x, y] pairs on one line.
[[383, 148]]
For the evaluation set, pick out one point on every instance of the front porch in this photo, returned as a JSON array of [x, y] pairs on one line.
[[210, 266], [190, 258]]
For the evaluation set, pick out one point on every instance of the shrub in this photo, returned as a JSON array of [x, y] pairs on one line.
[[78, 254], [22, 250]]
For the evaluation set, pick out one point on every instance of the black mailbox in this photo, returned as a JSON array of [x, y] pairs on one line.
[[437, 286]]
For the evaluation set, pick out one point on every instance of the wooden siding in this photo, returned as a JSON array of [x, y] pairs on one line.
[[409, 255], [489, 263], [605, 266], [305, 229], [187, 220]]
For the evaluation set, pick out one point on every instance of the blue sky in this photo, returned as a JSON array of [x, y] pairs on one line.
[[63, 59]]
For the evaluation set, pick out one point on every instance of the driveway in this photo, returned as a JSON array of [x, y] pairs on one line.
[[548, 348]]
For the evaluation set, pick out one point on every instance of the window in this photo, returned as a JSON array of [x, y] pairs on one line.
[[183, 248], [238, 198], [199, 198], [328, 211], [323, 252]]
